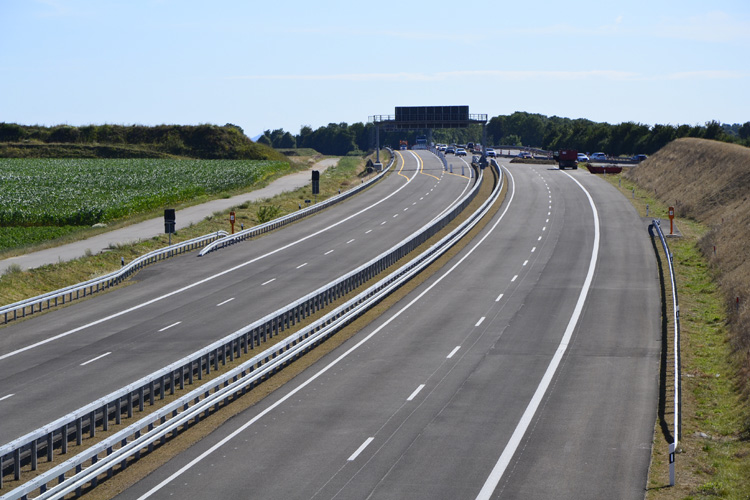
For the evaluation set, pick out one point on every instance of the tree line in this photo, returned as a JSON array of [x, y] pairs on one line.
[[517, 129], [339, 139], [196, 141]]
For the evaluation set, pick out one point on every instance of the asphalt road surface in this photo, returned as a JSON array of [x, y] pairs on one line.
[[57, 362], [526, 368]]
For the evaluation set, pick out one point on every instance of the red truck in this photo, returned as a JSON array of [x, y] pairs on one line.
[[566, 158]]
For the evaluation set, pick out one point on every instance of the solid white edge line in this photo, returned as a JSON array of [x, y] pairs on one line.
[[170, 326], [96, 358], [6, 397], [225, 302], [481, 320], [360, 449], [336, 361], [453, 352], [528, 415], [410, 398]]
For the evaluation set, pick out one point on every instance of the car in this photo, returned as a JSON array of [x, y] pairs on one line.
[[460, 152], [491, 152], [449, 150], [582, 157], [640, 158], [598, 156], [525, 154]]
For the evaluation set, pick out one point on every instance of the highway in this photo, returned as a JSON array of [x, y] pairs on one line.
[[526, 368], [57, 362]]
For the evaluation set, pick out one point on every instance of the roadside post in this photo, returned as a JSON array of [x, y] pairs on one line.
[[231, 220], [315, 184], [169, 222], [671, 220]]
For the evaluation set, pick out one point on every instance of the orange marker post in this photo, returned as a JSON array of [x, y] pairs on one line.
[[671, 220], [231, 220]]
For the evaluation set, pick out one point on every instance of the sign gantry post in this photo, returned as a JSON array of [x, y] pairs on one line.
[[429, 118]]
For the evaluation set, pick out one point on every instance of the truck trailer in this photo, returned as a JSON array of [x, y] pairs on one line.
[[566, 158]]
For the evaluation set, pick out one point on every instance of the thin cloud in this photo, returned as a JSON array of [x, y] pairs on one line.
[[452, 75], [716, 26]]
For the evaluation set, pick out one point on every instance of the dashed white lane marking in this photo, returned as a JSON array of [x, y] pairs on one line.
[[267, 282], [499, 297], [544, 228], [413, 394], [514, 278], [225, 302], [96, 358], [414, 203], [525, 262], [395, 215], [422, 198], [383, 222], [533, 250], [11, 395], [329, 251], [480, 321], [360, 449], [454, 351], [539, 239], [170, 326], [350, 241], [301, 265], [407, 208], [368, 231]]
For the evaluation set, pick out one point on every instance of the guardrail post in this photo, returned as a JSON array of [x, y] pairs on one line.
[[64, 446], [105, 417], [34, 451], [671, 463], [17, 464]]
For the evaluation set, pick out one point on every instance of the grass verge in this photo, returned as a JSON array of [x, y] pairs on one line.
[[713, 459]]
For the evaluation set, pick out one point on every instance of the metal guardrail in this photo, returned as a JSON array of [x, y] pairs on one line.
[[282, 221], [26, 307], [656, 223], [42, 442]]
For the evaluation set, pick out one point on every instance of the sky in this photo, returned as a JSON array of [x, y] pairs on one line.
[[265, 65]]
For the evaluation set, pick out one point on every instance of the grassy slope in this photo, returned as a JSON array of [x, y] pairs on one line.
[[709, 182], [705, 181]]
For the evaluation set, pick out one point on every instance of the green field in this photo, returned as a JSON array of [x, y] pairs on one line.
[[83, 192]]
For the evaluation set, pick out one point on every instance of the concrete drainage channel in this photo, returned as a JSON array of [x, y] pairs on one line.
[[126, 445]]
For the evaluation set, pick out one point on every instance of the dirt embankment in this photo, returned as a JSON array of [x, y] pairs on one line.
[[709, 181]]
